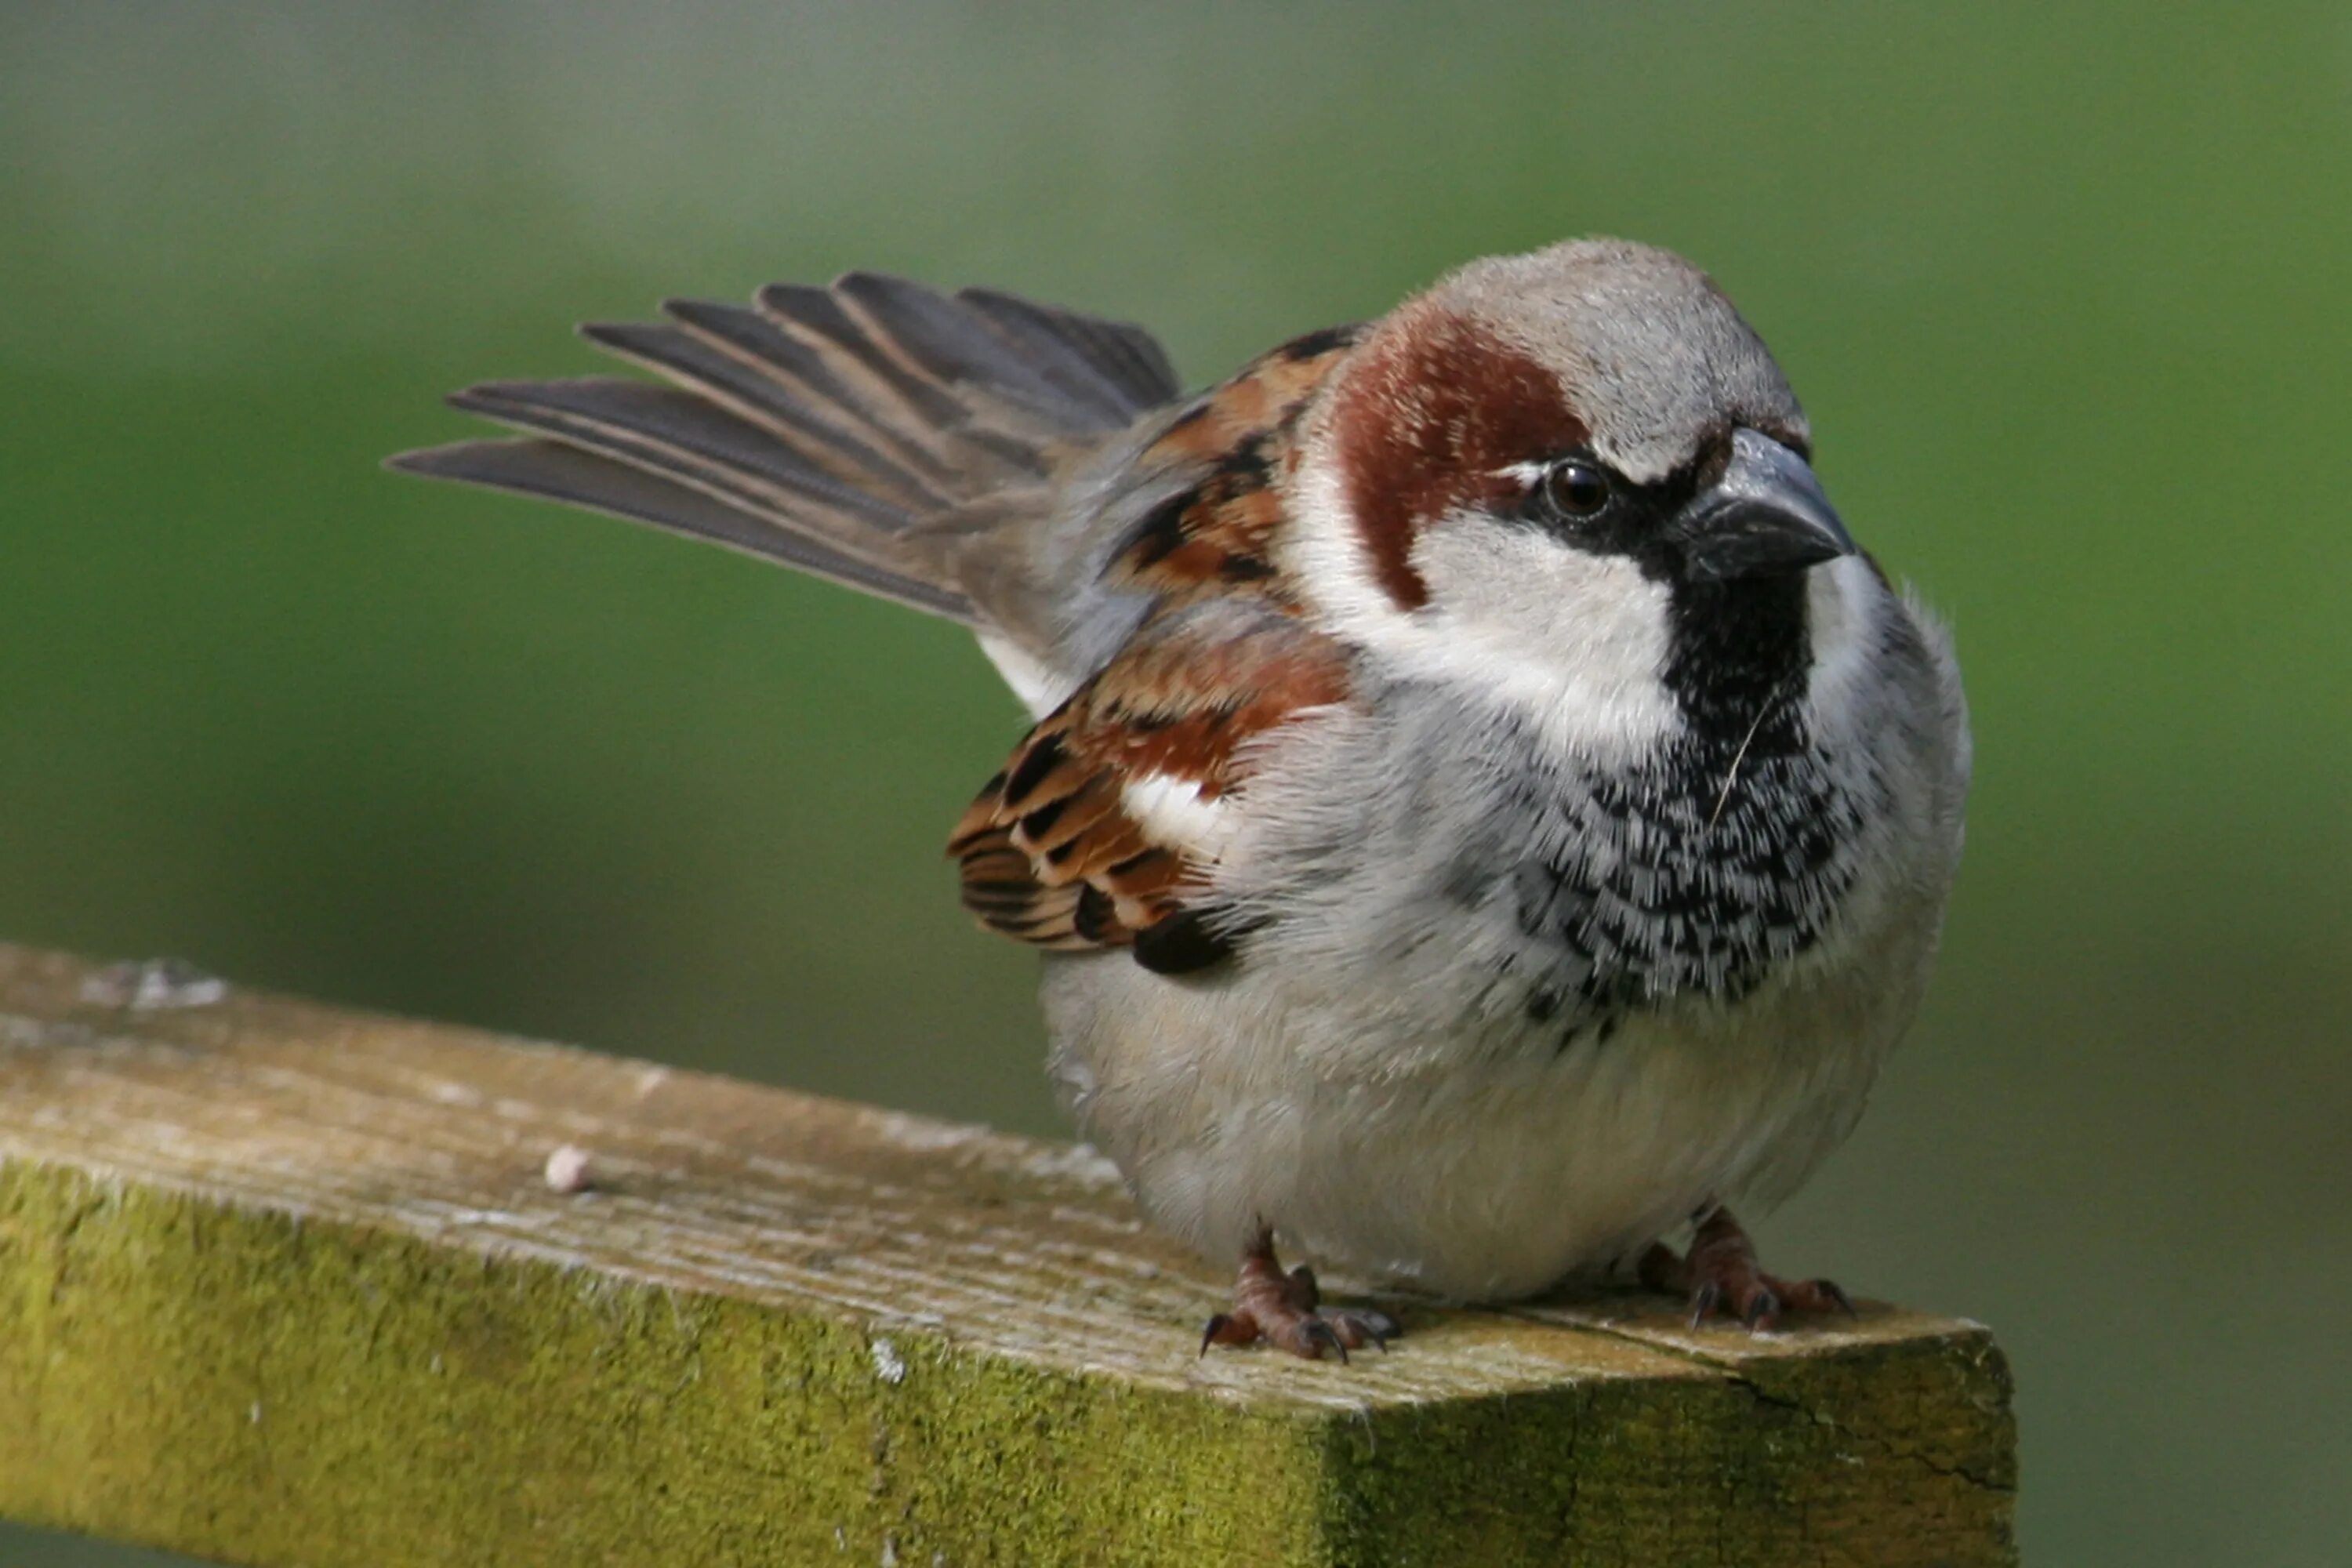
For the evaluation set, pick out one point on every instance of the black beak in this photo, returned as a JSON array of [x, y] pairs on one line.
[[1767, 514]]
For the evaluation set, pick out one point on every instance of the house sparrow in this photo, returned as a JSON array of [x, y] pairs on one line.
[[1484, 812]]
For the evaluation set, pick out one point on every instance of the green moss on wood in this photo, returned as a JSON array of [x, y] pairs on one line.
[[280, 1285], [243, 1385]]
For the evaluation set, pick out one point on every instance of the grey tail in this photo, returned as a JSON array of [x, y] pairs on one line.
[[820, 427]]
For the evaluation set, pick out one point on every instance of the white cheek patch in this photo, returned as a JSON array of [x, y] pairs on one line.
[[1576, 644], [1173, 811]]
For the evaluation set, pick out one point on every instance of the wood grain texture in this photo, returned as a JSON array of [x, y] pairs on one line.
[[285, 1285]]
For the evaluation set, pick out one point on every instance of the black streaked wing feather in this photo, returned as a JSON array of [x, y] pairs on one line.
[[685, 439], [554, 471], [949, 341], [1125, 354], [872, 433], [751, 391], [896, 393]]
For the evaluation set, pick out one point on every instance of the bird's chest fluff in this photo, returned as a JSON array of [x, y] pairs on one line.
[[1695, 874], [1505, 1016], [1511, 894]]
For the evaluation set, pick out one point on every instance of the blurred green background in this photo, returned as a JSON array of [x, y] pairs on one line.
[[2064, 288]]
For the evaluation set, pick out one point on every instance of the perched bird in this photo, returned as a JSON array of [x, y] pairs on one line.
[[1483, 813]]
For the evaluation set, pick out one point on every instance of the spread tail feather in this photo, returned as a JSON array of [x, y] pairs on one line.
[[822, 427]]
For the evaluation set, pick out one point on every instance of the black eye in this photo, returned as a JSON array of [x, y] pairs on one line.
[[1576, 487]]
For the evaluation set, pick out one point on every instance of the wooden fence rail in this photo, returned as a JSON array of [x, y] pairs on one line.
[[288, 1285]]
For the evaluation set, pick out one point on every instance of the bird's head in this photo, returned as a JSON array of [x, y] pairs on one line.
[[1553, 469]]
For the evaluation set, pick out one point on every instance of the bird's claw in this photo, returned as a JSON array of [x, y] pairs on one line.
[[1721, 1275], [1286, 1309]]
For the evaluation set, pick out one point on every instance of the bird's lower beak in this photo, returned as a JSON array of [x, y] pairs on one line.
[[1767, 514]]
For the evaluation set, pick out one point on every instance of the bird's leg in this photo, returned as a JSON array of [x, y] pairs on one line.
[[1720, 1274], [1286, 1311]]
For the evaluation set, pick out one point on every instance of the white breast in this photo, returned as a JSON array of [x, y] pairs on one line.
[[1482, 1176]]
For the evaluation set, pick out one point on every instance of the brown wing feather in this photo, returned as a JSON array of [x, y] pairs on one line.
[[1216, 536], [1052, 853], [1050, 850]]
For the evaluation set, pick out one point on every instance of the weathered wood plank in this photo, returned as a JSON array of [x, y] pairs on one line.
[[285, 1285]]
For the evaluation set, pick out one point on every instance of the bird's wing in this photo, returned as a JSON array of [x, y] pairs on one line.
[[1097, 833], [822, 427]]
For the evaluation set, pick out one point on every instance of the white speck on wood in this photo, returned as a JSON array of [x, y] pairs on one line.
[[567, 1169]]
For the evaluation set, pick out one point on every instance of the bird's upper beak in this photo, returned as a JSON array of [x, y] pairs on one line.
[[1767, 514]]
